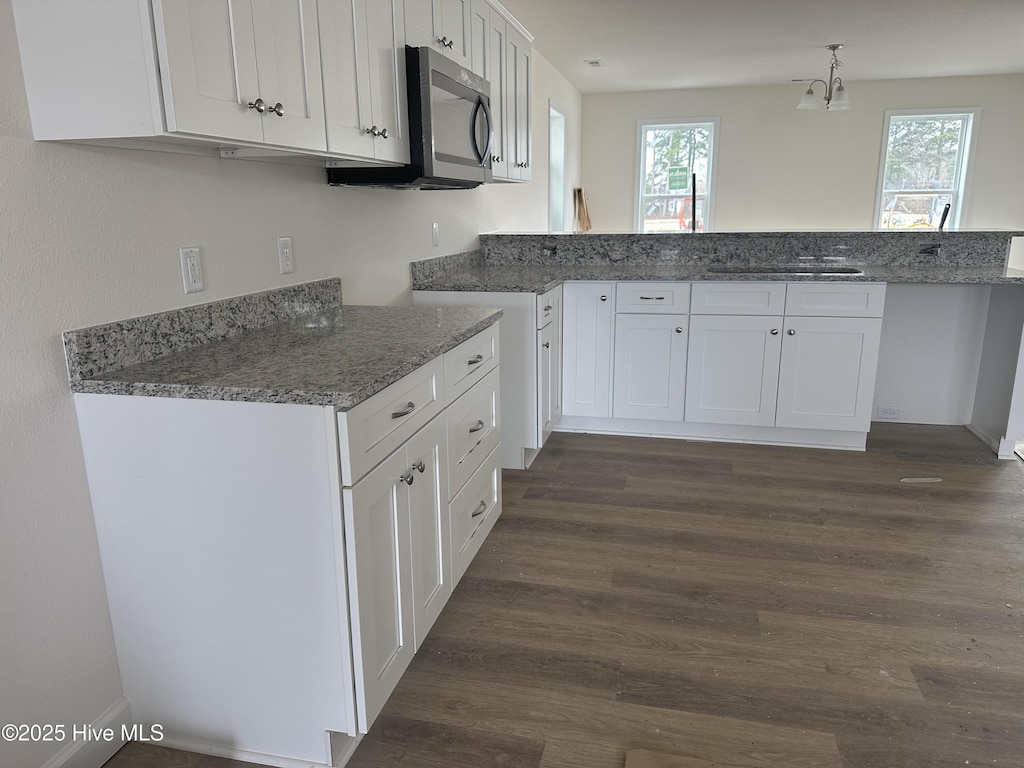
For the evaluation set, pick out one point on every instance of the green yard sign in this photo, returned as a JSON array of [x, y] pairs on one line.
[[678, 178]]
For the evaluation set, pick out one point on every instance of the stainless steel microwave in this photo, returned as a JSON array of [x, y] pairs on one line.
[[450, 130]]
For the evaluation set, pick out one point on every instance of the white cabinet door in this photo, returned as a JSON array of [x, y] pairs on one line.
[[498, 78], [208, 63], [288, 67], [452, 29], [518, 105], [480, 39], [547, 366], [380, 583], [649, 378], [732, 369], [429, 525], [827, 373], [587, 348], [217, 57], [363, 54]]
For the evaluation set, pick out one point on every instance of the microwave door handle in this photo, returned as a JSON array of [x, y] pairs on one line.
[[482, 156]]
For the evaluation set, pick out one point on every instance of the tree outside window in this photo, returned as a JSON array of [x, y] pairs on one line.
[[671, 154], [924, 170]]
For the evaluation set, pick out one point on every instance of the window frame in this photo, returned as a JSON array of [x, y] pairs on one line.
[[638, 192], [963, 173]]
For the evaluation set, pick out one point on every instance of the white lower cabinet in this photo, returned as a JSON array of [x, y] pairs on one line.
[[271, 568], [587, 318], [650, 366]]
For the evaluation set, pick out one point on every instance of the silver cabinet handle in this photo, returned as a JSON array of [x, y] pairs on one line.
[[445, 42], [407, 478], [791, 332], [419, 466], [277, 109], [475, 360], [373, 130], [548, 308], [383, 133], [480, 510], [495, 158], [679, 329], [652, 298], [405, 411], [259, 105], [546, 345], [477, 427], [775, 331], [604, 298]]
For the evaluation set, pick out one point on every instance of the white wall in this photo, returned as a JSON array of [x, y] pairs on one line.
[[783, 169], [91, 235]]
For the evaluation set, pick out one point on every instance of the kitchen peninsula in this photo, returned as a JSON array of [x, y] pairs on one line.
[[508, 269]]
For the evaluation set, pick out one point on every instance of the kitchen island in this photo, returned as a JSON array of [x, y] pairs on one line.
[[955, 297]]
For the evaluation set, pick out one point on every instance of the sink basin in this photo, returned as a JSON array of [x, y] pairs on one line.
[[783, 269]]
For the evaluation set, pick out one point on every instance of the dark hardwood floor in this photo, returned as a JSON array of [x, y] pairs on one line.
[[748, 605]]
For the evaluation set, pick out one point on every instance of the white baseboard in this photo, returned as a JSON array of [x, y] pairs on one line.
[[95, 752], [244, 755]]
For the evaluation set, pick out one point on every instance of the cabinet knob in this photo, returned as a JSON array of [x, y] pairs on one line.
[[373, 130], [420, 467], [791, 332], [546, 345], [383, 133], [495, 158], [604, 298], [259, 105], [407, 478], [277, 109], [679, 329], [775, 331], [445, 42]]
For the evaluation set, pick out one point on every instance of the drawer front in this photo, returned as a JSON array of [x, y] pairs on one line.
[[474, 511], [738, 298], [379, 425], [835, 299], [469, 362], [668, 298], [474, 430], [548, 307]]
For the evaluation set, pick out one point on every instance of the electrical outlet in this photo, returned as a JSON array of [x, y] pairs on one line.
[[192, 269], [889, 412], [435, 235], [285, 256]]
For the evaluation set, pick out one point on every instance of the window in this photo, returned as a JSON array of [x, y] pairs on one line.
[[671, 155], [923, 170]]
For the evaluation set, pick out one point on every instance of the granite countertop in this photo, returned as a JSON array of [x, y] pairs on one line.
[[537, 263], [336, 357], [539, 279]]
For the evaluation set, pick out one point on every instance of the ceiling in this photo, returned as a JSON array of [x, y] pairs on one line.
[[663, 44]]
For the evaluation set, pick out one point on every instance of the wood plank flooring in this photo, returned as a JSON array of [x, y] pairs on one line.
[[743, 605]]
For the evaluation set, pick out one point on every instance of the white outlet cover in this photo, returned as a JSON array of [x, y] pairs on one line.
[[285, 255], [192, 269]]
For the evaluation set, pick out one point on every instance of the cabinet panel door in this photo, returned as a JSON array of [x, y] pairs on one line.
[[208, 64], [480, 40], [587, 349], [518, 105], [429, 526], [452, 22], [386, 46], [474, 511], [827, 374], [499, 97], [650, 367], [288, 66], [547, 381], [733, 369], [380, 582], [346, 77]]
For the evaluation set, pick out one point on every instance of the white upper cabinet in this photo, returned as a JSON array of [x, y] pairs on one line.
[[517, 105], [443, 25], [180, 69], [218, 58], [497, 75], [363, 54]]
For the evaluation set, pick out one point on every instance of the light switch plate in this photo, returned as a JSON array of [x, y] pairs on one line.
[[285, 256]]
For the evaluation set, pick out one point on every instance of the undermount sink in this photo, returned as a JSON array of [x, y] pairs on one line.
[[783, 269]]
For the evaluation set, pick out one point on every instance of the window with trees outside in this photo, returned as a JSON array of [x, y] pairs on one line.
[[675, 176], [923, 170]]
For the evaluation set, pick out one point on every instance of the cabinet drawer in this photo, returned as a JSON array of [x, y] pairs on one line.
[[474, 429], [835, 299], [738, 298], [670, 298], [547, 308], [473, 512], [469, 362], [379, 425]]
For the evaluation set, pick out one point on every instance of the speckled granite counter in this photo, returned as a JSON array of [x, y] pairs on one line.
[[296, 345], [536, 263]]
